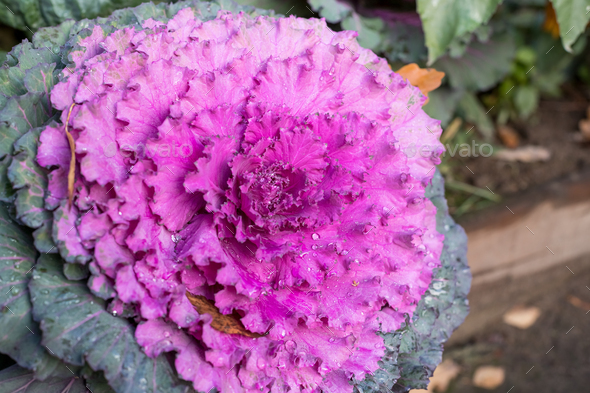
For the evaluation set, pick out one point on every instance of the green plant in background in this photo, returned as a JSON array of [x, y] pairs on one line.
[[483, 47], [539, 66]]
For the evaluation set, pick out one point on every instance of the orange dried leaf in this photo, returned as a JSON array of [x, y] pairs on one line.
[[508, 136], [550, 25], [229, 324], [426, 79], [72, 171]]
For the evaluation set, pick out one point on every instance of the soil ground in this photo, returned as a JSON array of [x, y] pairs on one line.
[[554, 127], [552, 356]]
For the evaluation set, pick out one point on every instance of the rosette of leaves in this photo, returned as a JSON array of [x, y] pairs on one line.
[[61, 323]]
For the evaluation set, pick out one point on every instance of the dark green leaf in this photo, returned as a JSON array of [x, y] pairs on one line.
[[11, 81], [53, 37], [482, 65], [41, 78], [96, 382], [30, 181], [32, 14], [20, 114], [43, 239], [78, 329], [75, 271], [27, 56], [20, 337], [403, 42], [16, 379], [6, 190]]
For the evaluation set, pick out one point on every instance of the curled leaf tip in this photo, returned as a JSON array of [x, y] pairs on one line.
[[426, 79], [72, 170]]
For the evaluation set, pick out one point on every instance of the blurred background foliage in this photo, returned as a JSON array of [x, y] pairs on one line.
[[500, 57]]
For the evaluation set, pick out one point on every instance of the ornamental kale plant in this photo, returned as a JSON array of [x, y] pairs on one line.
[[219, 200]]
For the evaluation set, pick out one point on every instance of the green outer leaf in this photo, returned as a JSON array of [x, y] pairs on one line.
[[43, 237], [414, 351], [12, 81], [95, 381], [572, 17], [444, 306], [482, 66], [27, 56], [30, 180], [53, 37], [6, 190], [17, 379], [20, 337], [78, 329], [30, 15], [20, 114], [445, 20]]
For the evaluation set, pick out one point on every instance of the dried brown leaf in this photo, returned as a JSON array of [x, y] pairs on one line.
[[508, 136], [426, 79], [229, 324], [72, 170]]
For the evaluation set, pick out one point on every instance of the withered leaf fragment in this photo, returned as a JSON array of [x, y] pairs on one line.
[[229, 324], [72, 170]]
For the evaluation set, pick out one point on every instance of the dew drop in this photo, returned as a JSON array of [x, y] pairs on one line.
[[261, 363], [315, 236], [324, 369], [290, 346]]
